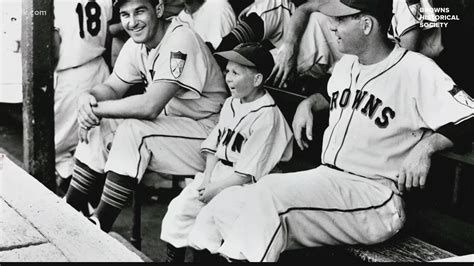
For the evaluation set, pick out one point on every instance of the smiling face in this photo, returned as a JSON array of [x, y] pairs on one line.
[[244, 82], [140, 21], [349, 33]]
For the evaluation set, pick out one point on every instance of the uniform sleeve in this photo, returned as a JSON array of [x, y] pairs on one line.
[[273, 14], [61, 14], [222, 24], [405, 16], [107, 8], [182, 61], [438, 100], [125, 67], [209, 145], [270, 142]]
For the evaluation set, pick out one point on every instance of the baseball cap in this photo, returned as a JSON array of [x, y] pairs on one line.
[[339, 8], [251, 54]]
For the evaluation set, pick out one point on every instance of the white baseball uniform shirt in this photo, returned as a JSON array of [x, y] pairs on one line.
[[410, 14], [395, 116], [212, 21], [251, 138], [318, 47], [169, 144], [82, 25], [275, 15], [377, 116]]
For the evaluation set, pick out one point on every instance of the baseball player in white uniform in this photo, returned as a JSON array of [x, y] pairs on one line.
[[82, 29], [406, 31], [212, 20], [308, 46], [252, 136], [390, 110], [263, 20], [160, 130]]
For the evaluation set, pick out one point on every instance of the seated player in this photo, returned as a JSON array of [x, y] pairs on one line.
[[390, 110], [211, 19], [160, 130], [251, 137]]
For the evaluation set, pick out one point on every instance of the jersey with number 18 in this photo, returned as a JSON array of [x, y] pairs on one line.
[[82, 25]]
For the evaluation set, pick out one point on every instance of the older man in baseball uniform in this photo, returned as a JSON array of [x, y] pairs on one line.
[[160, 130], [390, 110]]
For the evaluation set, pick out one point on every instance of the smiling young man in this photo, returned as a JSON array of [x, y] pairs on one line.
[[390, 111], [161, 129]]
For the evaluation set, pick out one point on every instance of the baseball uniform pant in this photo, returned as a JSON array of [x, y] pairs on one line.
[[70, 84], [182, 210], [128, 147], [313, 208]]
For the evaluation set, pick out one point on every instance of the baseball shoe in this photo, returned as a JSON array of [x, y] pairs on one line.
[[95, 221], [62, 185]]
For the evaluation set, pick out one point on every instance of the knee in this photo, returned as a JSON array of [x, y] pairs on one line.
[[129, 129]]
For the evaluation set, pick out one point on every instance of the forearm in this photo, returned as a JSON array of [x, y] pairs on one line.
[[211, 161], [103, 92], [232, 180], [434, 143], [135, 106], [297, 25], [317, 102], [410, 40]]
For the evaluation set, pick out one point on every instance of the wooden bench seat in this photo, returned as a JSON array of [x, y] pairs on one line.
[[399, 249]]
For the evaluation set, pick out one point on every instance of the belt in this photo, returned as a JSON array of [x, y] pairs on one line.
[[225, 162]]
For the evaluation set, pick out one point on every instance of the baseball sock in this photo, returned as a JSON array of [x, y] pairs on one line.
[[84, 181], [203, 256], [250, 29], [174, 254], [117, 191]]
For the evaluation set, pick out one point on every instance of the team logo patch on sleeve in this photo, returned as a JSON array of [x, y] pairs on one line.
[[177, 61], [462, 97]]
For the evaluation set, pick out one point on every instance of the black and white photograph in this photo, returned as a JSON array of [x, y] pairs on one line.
[[220, 131]]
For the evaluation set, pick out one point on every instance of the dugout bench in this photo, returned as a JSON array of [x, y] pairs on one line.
[[438, 218]]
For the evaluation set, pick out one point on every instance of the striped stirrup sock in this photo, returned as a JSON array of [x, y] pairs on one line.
[[117, 191], [84, 182]]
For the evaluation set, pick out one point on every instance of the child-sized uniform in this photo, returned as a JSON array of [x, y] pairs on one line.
[[249, 140]]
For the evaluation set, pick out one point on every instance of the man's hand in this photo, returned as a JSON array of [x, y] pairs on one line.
[[85, 116], [303, 124], [284, 68], [209, 192], [414, 169], [83, 134]]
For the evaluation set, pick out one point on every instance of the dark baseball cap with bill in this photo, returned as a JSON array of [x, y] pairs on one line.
[[251, 54], [340, 8]]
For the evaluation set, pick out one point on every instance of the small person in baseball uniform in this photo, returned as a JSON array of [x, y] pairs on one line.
[[390, 110], [161, 129], [251, 137]]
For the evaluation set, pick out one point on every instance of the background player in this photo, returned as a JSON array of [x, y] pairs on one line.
[[390, 110], [406, 31], [80, 37], [211, 19], [162, 129], [252, 136]]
